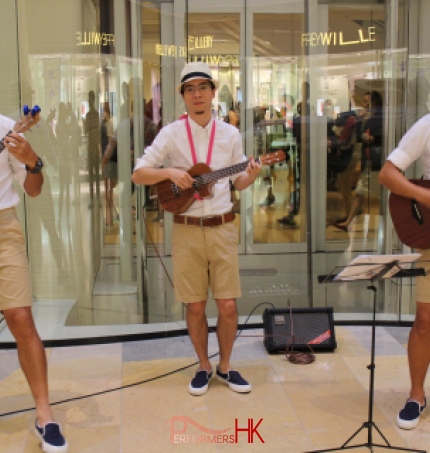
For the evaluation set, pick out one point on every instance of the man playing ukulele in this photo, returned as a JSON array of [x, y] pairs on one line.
[[19, 161], [204, 237], [415, 144]]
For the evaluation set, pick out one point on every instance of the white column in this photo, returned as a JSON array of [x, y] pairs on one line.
[[123, 134]]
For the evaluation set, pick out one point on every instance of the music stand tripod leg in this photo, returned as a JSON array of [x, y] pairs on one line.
[[369, 424]]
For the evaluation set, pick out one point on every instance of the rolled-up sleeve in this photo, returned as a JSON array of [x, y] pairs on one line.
[[237, 152], [155, 155], [414, 144]]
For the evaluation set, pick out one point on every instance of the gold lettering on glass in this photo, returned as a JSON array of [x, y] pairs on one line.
[[337, 38]]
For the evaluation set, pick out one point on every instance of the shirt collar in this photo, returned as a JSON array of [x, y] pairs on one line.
[[207, 128]]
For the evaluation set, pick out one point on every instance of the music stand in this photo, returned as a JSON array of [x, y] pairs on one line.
[[373, 268]]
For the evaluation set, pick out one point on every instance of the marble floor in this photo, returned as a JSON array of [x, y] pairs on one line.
[[292, 408]]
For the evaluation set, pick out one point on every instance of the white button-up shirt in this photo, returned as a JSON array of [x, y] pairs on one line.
[[10, 169], [172, 149], [414, 144]]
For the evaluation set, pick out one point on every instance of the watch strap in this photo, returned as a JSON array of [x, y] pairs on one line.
[[37, 168]]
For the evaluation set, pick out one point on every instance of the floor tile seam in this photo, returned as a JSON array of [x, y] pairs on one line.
[[151, 359], [398, 341], [27, 437], [165, 374], [210, 417], [8, 375], [366, 390], [283, 389]]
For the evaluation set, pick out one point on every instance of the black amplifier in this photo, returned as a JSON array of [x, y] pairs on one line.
[[299, 328]]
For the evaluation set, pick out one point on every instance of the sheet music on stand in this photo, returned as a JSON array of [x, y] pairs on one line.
[[366, 267]]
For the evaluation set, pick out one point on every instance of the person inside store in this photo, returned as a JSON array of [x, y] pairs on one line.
[[92, 131], [124, 110], [370, 134], [232, 117], [414, 145], [19, 162], [204, 237], [150, 131], [343, 155], [260, 148], [303, 112], [109, 164]]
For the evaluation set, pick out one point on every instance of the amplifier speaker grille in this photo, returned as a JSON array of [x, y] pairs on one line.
[[310, 326]]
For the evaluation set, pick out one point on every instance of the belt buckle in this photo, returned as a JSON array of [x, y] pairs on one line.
[[202, 219]]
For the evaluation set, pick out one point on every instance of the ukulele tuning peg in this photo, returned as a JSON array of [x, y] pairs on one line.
[[35, 110], [25, 109]]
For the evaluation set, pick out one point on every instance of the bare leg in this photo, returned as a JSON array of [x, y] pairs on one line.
[[419, 352], [226, 331], [32, 358], [357, 203], [108, 212], [197, 324], [344, 185]]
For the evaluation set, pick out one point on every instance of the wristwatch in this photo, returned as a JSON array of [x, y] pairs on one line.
[[37, 168]]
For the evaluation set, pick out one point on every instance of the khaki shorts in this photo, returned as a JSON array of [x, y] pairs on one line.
[[15, 286], [205, 257], [422, 286]]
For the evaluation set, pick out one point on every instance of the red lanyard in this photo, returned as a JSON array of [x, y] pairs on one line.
[[193, 149], [191, 142]]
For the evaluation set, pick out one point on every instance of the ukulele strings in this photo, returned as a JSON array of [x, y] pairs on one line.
[[206, 178]]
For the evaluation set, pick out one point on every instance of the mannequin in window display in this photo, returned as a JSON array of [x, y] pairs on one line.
[[92, 131]]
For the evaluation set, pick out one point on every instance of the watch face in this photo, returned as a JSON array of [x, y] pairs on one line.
[[37, 168]]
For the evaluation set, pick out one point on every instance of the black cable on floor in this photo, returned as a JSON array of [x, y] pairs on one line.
[[134, 384]]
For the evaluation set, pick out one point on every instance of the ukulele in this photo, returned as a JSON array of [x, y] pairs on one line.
[[176, 200], [28, 120], [410, 219]]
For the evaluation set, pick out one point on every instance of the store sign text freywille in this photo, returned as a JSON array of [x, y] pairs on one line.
[[93, 38], [216, 59], [194, 42], [335, 38]]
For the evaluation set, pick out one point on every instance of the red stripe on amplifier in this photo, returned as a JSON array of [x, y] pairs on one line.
[[320, 338]]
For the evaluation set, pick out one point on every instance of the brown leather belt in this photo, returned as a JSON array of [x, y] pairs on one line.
[[209, 221]]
